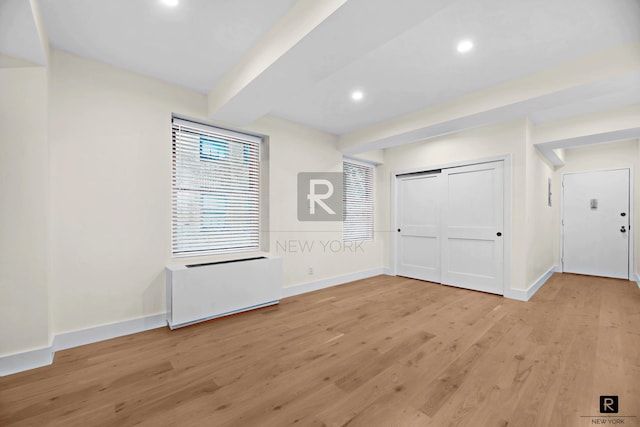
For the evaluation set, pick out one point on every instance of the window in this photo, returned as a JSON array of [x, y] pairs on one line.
[[215, 190], [357, 201]]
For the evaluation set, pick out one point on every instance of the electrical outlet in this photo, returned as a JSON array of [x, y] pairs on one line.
[[310, 271]]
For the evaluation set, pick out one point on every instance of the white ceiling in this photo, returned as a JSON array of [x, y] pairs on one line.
[[420, 68], [191, 45], [401, 53]]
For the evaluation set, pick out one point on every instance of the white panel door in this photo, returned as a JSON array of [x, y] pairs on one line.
[[418, 227], [472, 240], [595, 223]]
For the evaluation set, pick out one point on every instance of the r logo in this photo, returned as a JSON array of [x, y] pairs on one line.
[[320, 196], [318, 199], [608, 404]]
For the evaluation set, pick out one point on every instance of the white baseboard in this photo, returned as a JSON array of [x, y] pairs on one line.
[[525, 295], [517, 294], [26, 360], [535, 286], [31, 359], [388, 271], [72, 339], [332, 281], [37, 358], [638, 279]]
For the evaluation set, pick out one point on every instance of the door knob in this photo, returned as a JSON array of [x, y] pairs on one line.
[[498, 234], [398, 230], [623, 229]]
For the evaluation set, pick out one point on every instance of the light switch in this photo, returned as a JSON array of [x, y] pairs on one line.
[[594, 203]]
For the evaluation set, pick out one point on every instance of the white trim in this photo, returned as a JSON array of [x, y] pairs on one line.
[[332, 281], [561, 249], [525, 295], [393, 215], [631, 232], [507, 222], [388, 271], [517, 294], [630, 273], [204, 125], [94, 334], [507, 199], [37, 358], [535, 286], [637, 279], [451, 165], [546, 148], [30, 359], [361, 162]]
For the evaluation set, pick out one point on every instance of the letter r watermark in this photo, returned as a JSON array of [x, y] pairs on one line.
[[608, 404], [320, 196]]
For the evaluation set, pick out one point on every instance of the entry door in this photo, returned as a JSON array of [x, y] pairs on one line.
[[418, 213], [472, 237], [595, 223]]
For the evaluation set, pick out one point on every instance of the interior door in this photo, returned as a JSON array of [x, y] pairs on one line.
[[472, 231], [595, 223], [418, 223]]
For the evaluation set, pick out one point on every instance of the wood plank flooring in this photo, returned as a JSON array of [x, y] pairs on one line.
[[385, 351]]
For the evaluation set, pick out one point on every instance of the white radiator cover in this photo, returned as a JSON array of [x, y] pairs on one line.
[[203, 292]]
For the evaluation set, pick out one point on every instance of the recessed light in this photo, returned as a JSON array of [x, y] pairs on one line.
[[464, 46], [170, 3], [357, 95]]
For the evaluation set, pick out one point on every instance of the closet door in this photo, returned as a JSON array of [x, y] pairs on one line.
[[472, 227], [418, 226]]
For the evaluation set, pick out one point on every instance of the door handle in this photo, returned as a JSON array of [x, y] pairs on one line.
[[398, 230], [623, 229]]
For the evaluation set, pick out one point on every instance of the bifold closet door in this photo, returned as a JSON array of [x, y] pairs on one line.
[[472, 227], [418, 226]]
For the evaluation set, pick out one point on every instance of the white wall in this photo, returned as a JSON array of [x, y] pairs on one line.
[[539, 216], [295, 148], [24, 300], [504, 139], [110, 137], [110, 142], [107, 206], [601, 156]]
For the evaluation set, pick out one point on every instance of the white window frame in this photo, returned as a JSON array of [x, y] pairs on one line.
[[363, 228], [215, 190]]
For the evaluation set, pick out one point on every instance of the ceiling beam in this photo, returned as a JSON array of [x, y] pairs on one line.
[[590, 76], [22, 33], [296, 24], [334, 36], [614, 120], [614, 125], [550, 149], [41, 29]]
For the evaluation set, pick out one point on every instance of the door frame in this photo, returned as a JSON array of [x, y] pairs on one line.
[[506, 159], [631, 267]]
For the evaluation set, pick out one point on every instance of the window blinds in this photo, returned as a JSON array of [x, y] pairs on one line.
[[215, 190], [357, 201]]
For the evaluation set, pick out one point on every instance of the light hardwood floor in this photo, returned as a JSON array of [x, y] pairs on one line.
[[385, 351]]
